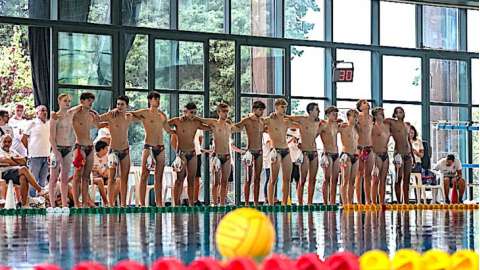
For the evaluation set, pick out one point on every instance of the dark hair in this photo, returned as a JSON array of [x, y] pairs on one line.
[[190, 106], [123, 98], [258, 105], [375, 112], [3, 113], [311, 106], [221, 106], [451, 157], [351, 112], [330, 110], [153, 94], [100, 145], [359, 103], [415, 132], [394, 115], [87, 95]]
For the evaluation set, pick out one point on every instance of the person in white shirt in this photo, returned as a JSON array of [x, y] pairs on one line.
[[18, 124], [293, 140], [417, 151], [267, 162], [37, 140], [451, 169], [197, 141], [103, 134], [100, 171], [4, 127], [13, 168]]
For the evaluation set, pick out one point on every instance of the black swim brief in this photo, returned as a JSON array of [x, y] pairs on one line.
[[256, 153], [383, 156], [64, 150], [353, 157], [283, 152], [121, 154], [223, 158], [311, 154], [333, 156], [86, 148], [187, 154], [156, 149]]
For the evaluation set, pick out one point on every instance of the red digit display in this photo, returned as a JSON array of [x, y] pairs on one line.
[[343, 75], [348, 75]]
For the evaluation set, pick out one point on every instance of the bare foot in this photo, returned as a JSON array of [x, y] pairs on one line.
[[90, 204]]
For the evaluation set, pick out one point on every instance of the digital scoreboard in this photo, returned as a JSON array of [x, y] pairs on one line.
[[343, 72]]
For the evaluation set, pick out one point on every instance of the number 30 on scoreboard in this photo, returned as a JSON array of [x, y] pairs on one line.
[[344, 73]]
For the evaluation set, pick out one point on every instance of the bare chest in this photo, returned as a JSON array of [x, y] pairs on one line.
[[380, 132], [82, 120], [186, 129], [222, 129], [365, 125], [330, 132], [277, 125], [399, 130], [348, 133], [65, 123], [119, 123], [254, 127], [309, 128], [152, 121]]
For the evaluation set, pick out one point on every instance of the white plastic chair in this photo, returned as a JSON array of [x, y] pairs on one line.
[[168, 180], [92, 191], [148, 189], [133, 191], [420, 188], [2, 200]]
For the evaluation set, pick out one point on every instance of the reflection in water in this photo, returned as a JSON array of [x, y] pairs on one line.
[[66, 240]]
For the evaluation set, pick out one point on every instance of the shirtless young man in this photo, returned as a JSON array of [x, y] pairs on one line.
[[119, 154], [308, 126], [277, 126], [185, 128], [83, 121], [366, 157], [154, 122], [380, 137], [399, 131], [330, 163], [254, 126], [222, 130], [62, 141], [349, 156]]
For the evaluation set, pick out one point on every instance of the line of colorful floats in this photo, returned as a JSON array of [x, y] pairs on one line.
[[383, 207], [404, 259]]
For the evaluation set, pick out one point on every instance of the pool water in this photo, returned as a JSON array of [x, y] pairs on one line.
[[67, 240]]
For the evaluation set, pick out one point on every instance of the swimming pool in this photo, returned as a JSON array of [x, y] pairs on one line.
[[67, 240]]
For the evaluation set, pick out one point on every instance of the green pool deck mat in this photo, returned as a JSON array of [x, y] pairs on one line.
[[169, 209]]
